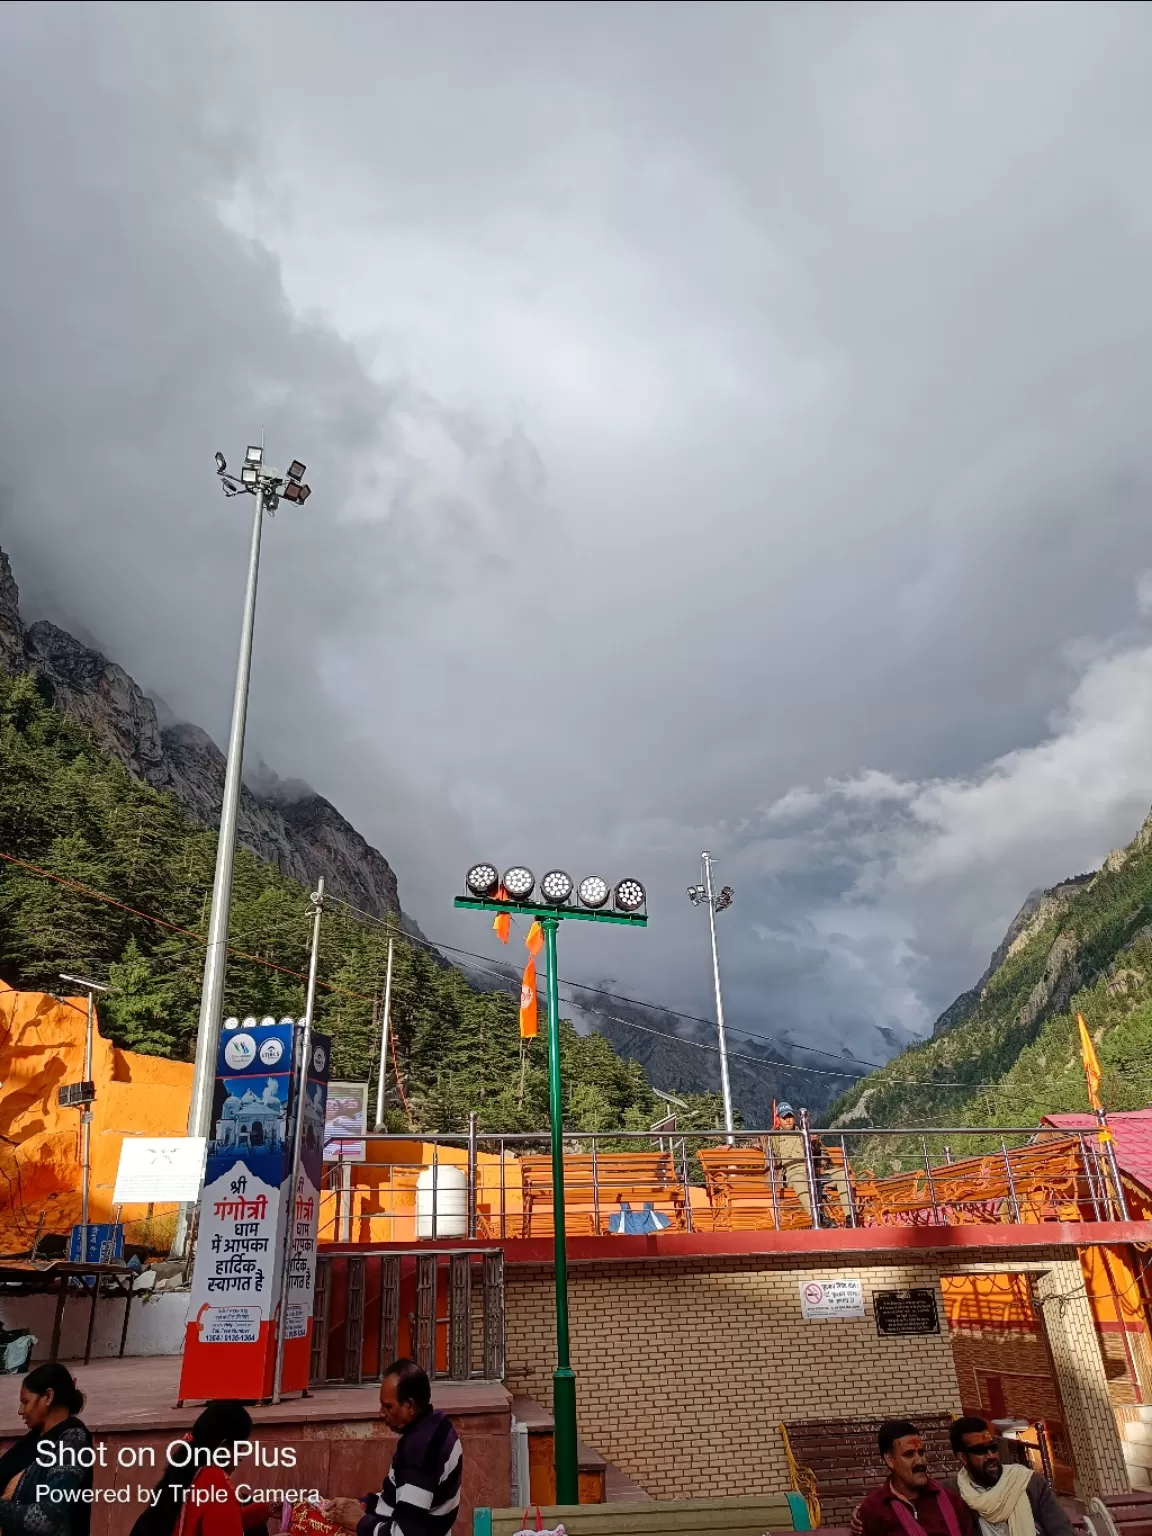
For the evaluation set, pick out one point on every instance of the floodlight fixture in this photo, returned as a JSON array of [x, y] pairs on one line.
[[296, 470], [696, 894], [482, 880], [297, 493], [629, 896], [254, 455], [556, 887], [250, 1022], [221, 464], [519, 882], [594, 892], [249, 475], [290, 1023], [267, 1021], [724, 900], [232, 1023]]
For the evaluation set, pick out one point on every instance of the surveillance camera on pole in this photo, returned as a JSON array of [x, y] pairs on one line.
[[700, 895], [266, 485]]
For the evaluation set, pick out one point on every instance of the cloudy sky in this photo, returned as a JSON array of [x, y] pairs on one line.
[[728, 426]]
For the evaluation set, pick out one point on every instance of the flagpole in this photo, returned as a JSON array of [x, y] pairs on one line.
[[1113, 1166], [563, 1377]]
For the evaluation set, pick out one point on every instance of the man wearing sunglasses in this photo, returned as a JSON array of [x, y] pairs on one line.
[[1006, 1501]]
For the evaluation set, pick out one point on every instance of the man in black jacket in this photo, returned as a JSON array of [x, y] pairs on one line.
[[421, 1494], [1005, 1501]]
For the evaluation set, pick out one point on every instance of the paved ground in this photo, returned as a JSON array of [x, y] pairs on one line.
[[140, 1393]]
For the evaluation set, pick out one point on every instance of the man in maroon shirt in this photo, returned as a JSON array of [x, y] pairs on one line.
[[910, 1502]]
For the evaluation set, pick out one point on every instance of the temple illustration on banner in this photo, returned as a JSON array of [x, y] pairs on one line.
[[252, 1120]]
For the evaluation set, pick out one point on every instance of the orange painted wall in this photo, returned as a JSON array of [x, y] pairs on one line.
[[42, 1047]]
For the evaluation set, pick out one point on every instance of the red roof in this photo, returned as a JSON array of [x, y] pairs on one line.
[[1132, 1129]]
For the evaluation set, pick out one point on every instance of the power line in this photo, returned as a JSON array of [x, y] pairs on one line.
[[486, 964], [635, 1002]]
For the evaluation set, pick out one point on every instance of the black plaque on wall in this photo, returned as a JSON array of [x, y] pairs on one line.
[[899, 1313]]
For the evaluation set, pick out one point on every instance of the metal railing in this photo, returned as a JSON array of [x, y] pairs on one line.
[[695, 1181], [443, 1309]]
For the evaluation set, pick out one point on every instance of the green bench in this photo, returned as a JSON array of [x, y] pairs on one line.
[[750, 1515]]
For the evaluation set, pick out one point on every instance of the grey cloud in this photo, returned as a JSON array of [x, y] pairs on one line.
[[700, 401]]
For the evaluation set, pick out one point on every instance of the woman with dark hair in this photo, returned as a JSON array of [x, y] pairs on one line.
[[195, 1497], [49, 1403]]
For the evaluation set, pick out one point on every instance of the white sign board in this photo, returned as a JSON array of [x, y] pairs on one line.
[[159, 1171], [821, 1300], [345, 1122]]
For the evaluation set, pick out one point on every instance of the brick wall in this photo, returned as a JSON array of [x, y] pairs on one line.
[[1072, 1337], [685, 1369], [1019, 1361]]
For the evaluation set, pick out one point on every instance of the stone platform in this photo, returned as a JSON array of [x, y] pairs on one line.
[[341, 1444]]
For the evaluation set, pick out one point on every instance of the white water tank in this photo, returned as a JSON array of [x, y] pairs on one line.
[[450, 1216]]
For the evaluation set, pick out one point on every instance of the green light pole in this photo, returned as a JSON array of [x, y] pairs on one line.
[[550, 917]]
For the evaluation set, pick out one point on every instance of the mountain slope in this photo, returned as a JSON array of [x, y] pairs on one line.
[[74, 823], [1007, 1051], [303, 836]]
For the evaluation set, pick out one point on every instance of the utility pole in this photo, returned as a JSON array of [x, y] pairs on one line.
[[266, 486], [305, 1038], [91, 987], [696, 895], [384, 1042]]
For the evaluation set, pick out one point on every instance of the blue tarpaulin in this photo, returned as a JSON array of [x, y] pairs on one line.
[[635, 1223]]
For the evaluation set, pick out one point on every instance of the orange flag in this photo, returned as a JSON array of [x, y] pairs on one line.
[[502, 922], [1091, 1063], [1092, 1074], [534, 943], [528, 1002]]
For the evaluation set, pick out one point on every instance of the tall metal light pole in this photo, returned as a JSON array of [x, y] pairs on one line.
[[266, 485], [305, 1038], [488, 893], [696, 895], [91, 987], [383, 1078]]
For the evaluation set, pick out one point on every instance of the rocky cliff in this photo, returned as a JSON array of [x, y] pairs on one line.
[[1007, 1051], [303, 835]]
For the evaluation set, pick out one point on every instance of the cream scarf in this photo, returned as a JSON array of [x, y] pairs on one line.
[[1007, 1499]]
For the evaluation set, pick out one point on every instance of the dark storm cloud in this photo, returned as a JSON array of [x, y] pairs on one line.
[[701, 401]]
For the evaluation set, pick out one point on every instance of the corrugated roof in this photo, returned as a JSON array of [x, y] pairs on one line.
[[1132, 1129]]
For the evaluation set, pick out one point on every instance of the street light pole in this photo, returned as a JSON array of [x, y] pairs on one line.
[[91, 987], [563, 1377], [382, 1081], [266, 486], [298, 1138], [216, 954], [512, 895], [725, 1084]]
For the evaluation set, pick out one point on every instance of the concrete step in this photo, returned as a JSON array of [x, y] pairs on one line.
[[1144, 1413], [1140, 1478], [1137, 1455], [1138, 1433]]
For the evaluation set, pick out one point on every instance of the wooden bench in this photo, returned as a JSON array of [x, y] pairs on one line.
[[740, 1191], [1048, 1183], [845, 1460], [751, 1515], [1130, 1514], [594, 1187]]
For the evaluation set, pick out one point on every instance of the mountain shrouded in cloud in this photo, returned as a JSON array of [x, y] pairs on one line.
[[699, 403]]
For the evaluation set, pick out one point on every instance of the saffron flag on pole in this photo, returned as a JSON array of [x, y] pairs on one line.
[[1092, 1075], [502, 922], [1091, 1063], [528, 1002], [534, 942]]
